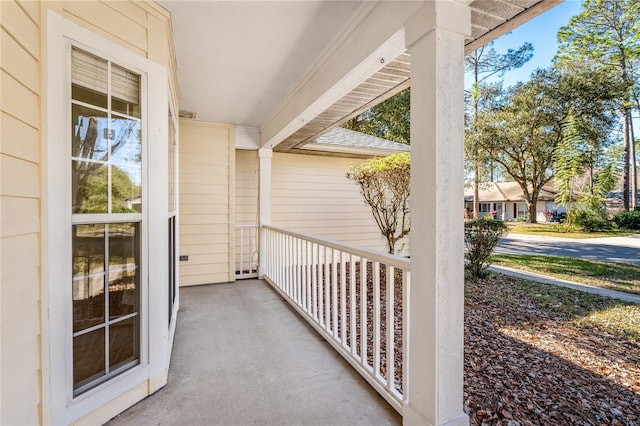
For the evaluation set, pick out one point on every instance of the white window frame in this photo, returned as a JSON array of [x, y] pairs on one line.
[[59, 405], [173, 115]]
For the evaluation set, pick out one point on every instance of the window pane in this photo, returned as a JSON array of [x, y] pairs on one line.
[[126, 142], [90, 133], [123, 269], [88, 357], [123, 342], [88, 276], [89, 187], [125, 91], [126, 190], [89, 78], [106, 179]]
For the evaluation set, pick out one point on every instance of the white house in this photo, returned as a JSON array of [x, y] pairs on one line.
[[508, 201], [92, 95]]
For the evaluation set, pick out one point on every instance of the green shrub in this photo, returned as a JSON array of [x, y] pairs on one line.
[[628, 219], [480, 238], [592, 220]]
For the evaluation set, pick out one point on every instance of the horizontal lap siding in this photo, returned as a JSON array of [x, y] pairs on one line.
[[206, 165], [311, 194], [111, 21], [20, 212], [247, 182]]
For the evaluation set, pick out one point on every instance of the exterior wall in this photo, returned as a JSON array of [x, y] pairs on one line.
[[311, 195], [19, 213], [544, 206], [247, 187], [142, 27], [207, 171]]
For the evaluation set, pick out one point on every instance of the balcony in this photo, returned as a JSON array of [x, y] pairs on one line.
[[243, 356]]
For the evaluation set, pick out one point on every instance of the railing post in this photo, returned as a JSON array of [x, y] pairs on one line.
[[264, 155]]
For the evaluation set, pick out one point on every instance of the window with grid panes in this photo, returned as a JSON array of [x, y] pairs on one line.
[[106, 205]]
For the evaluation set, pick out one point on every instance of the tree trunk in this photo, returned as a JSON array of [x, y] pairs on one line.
[[391, 242], [634, 170], [626, 169], [630, 173], [532, 212], [476, 192]]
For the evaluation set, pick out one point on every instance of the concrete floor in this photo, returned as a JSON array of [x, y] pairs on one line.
[[242, 357]]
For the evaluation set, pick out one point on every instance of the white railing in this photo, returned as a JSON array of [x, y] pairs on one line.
[[356, 298], [247, 251]]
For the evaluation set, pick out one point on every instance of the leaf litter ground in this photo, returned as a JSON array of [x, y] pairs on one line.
[[540, 355]]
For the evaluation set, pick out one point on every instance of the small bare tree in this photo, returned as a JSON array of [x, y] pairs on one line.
[[384, 184]]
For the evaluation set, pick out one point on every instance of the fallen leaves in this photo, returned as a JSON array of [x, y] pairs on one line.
[[530, 361]]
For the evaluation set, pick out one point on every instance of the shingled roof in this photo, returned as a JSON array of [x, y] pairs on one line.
[[341, 140], [506, 191]]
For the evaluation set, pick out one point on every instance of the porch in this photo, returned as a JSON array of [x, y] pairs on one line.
[[243, 356]]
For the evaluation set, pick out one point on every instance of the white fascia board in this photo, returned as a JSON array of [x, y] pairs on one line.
[[373, 42], [247, 138]]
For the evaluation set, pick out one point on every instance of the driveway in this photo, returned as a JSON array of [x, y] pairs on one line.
[[611, 249]]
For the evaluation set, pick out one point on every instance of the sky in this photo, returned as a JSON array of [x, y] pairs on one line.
[[542, 32]]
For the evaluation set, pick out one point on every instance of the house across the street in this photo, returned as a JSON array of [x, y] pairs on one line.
[[507, 202]]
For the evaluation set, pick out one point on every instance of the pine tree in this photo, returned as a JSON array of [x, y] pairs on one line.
[[606, 35]]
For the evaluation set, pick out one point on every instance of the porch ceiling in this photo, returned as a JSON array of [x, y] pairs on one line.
[[238, 61]]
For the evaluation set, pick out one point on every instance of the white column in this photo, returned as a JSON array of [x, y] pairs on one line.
[[435, 37], [264, 196]]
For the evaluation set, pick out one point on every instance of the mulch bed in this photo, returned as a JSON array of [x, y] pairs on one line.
[[529, 364]]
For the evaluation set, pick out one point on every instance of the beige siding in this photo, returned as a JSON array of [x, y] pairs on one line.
[[247, 182], [20, 213], [207, 163], [311, 194]]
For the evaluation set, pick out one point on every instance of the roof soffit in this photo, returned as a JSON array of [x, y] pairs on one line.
[[489, 18]]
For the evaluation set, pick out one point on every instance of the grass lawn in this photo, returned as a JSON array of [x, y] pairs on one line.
[[615, 276], [540, 354], [556, 230]]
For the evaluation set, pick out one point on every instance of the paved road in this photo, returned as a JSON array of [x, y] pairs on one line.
[[617, 249]]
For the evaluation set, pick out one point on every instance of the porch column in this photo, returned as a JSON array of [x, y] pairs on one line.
[[264, 197], [435, 37]]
